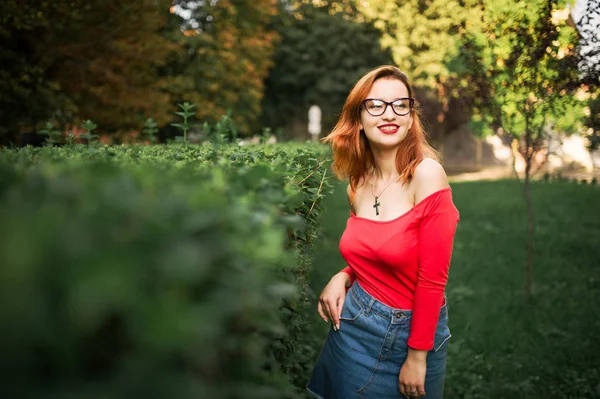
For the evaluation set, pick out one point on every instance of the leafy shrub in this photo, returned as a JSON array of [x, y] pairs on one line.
[[156, 271]]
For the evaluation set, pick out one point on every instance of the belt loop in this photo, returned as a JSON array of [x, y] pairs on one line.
[[369, 306]]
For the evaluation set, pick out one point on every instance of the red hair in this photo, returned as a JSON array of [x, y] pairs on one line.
[[352, 155]]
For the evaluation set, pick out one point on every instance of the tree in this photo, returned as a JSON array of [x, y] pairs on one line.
[[423, 36], [25, 93], [524, 78], [229, 46], [96, 59], [323, 51]]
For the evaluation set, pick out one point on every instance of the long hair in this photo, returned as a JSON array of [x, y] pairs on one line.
[[352, 155]]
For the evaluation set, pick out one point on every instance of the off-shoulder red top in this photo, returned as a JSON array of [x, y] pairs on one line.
[[404, 262]]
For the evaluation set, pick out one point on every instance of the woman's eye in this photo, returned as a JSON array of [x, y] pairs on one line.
[[402, 106]]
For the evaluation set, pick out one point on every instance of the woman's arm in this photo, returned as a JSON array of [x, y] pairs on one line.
[[435, 242], [436, 235], [331, 300]]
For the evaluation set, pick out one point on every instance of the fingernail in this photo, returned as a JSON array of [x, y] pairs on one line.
[[337, 326], [334, 328]]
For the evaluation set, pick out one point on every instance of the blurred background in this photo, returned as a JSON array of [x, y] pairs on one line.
[[129, 269], [266, 62]]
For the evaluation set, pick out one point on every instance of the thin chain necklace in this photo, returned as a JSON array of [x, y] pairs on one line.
[[377, 203]]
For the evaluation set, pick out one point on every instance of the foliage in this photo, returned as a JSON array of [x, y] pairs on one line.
[[527, 77], [424, 37], [266, 61], [70, 138], [185, 114], [524, 68], [433, 39], [157, 271], [89, 127], [592, 122], [229, 46], [224, 132], [322, 53], [62, 60], [54, 136], [150, 129]]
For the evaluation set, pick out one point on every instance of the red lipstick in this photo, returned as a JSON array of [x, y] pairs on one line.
[[388, 128]]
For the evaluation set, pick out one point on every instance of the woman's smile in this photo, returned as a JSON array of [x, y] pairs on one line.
[[389, 128]]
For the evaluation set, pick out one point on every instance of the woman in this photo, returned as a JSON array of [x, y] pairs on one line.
[[389, 331]]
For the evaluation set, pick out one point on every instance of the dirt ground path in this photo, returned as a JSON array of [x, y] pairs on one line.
[[503, 172]]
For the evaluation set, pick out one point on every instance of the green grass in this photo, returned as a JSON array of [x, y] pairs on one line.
[[501, 347]]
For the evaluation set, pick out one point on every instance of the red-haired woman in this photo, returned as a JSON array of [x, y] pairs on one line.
[[389, 331]]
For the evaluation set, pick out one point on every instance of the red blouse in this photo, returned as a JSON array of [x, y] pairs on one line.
[[404, 262]]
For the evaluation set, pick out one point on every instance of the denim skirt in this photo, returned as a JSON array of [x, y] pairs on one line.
[[363, 358]]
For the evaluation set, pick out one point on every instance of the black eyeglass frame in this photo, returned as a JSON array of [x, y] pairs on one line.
[[410, 100]]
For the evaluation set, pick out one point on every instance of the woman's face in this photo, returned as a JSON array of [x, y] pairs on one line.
[[388, 129]]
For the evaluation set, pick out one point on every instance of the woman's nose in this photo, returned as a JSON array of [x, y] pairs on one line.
[[388, 113]]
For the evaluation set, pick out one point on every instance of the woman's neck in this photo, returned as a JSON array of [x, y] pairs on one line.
[[385, 167]]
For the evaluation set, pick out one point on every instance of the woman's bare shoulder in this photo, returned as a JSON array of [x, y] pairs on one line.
[[429, 177]]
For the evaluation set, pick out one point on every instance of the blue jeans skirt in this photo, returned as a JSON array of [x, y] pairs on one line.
[[363, 358]]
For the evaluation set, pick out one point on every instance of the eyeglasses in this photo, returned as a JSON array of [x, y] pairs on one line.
[[400, 106]]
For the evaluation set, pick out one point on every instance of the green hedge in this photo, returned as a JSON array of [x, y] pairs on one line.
[[157, 271]]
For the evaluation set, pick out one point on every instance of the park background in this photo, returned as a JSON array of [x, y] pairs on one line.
[[167, 221]]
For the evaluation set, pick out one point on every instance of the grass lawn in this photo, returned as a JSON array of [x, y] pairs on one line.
[[501, 347]]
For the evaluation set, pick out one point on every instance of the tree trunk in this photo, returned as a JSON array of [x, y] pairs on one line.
[[527, 193], [529, 277], [514, 146], [478, 153]]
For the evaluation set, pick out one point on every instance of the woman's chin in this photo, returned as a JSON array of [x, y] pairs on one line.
[[388, 141]]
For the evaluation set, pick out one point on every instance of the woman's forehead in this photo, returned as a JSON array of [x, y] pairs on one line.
[[388, 89]]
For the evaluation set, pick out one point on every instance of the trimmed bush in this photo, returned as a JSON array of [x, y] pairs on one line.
[[157, 271]]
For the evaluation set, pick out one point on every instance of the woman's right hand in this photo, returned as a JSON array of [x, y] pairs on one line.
[[332, 298]]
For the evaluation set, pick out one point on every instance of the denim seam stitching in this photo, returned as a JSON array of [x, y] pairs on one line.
[[442, 344], [369, 308], [354, 318], [357, 299], [362, 389], [380, 314], [360, 311]]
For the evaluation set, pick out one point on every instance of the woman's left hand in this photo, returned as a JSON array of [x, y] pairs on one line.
[[412, 376]]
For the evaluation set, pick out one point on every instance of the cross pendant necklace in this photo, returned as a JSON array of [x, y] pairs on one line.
[[376, 206], [377, 203]]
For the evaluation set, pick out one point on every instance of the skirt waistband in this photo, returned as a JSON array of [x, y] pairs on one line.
[[371, 304]]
